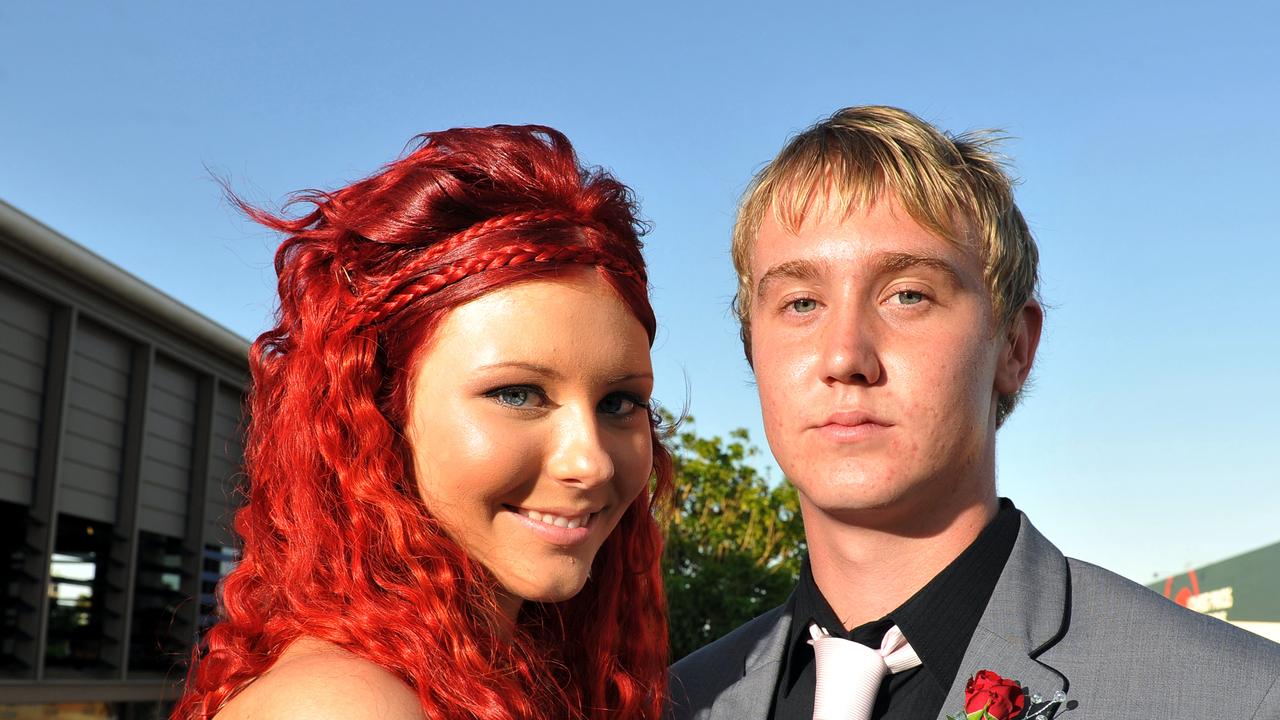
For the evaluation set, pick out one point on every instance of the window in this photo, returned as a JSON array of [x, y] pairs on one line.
[[77, 596], [161, 632], [15, 582], [218, 561]]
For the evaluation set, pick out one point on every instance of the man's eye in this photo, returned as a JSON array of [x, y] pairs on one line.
[[620, 404], [516, 397], [803, 305], [909, 297]]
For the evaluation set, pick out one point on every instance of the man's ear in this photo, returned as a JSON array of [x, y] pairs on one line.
[[1019, 349]]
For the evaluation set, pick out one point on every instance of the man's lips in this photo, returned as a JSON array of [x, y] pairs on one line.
[[854, 418], [851, 426]]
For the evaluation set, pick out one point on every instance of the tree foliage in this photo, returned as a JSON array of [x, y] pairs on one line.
[[734, 541]]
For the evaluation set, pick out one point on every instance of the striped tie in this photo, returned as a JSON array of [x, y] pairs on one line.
[[849, 673]]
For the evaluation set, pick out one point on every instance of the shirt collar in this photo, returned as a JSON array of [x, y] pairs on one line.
[[938, 620]]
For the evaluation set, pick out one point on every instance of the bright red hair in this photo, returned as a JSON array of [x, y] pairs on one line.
[[338, 544]]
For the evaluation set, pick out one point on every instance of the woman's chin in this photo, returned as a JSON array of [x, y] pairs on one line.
[[550, 590]]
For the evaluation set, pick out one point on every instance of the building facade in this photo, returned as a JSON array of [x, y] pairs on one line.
[[120, 453], [1243, 590]]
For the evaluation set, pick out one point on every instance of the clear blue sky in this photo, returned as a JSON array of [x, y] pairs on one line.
[[1147, 140]]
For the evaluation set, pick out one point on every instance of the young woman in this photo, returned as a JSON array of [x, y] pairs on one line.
[[451, 460]]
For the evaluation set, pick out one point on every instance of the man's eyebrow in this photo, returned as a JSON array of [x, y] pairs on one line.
[[520, 365], [895, 262], [791, 269]]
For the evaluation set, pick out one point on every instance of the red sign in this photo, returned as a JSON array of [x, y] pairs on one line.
[[1185, 592]]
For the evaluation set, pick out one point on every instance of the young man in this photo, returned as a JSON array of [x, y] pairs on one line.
[[887, 294]]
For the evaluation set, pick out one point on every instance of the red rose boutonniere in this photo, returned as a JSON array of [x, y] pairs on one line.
[[987, 696]]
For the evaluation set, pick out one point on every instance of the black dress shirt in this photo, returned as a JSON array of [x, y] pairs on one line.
[[938, 621]]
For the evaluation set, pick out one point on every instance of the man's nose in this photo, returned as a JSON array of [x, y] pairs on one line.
[[578, 454], [850, 348]]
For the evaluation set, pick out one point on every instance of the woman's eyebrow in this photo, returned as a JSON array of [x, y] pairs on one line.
[[615, 379], [521, 365], [552, 373]]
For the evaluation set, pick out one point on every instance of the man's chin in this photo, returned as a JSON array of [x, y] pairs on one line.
[[850, 499], [866, 499]]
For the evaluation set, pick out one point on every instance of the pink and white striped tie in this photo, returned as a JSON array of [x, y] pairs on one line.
[[849, 673]]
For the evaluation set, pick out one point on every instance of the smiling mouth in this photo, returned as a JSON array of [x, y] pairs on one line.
[[561, 521]]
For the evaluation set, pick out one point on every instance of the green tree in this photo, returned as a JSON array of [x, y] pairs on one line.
[[734, 542]]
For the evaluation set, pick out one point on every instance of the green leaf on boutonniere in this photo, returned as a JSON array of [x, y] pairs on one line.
[[975, 715]]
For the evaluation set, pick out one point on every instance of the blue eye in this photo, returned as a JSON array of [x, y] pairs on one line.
[[516, 397], [620, 404], [803, 305], [909, 297]]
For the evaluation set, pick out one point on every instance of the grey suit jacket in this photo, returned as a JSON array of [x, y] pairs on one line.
[[1117, 649]]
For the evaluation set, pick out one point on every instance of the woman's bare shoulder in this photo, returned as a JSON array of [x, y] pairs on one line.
[[317, 680]]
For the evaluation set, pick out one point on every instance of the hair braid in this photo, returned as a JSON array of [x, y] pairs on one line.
[[395, 294], [503, 222]]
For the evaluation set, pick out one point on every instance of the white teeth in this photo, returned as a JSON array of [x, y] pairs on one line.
[[556, 520]]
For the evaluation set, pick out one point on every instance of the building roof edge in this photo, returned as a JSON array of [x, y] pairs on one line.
[[56, 249]]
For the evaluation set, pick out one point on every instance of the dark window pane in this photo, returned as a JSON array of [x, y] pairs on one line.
[[15, 581], [77, 596], [218, 561], [160, 631]]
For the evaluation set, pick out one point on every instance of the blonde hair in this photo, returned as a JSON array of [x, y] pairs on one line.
[[955, 186]]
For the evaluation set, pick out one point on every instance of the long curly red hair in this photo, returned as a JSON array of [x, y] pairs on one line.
[[338, 544]]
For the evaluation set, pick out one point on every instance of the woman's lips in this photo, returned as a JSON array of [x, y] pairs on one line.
[[557, 528]]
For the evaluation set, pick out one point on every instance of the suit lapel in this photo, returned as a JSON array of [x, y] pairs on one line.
[[752, 696], [1026, 615]]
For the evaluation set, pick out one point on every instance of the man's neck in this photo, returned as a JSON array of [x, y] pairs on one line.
[[867, 569]]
